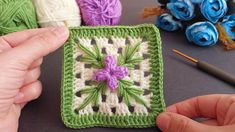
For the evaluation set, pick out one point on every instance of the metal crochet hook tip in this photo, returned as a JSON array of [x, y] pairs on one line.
[[185, 56]]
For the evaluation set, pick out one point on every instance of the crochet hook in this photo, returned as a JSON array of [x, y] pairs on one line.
[[210, 69]]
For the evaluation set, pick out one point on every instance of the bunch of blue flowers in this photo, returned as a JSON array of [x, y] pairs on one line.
[[204, 32]]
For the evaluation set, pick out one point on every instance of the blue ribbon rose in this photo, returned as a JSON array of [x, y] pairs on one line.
[[193, 1], [202, 34], [182, 9], [196, 1], [213, 10], [228, 24], [166, 22]]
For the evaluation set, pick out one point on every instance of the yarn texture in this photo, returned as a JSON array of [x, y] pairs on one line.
[[182, 10], [218, 22], [100, 12], [166, 22], [228, 24], [57, 13], [202, 34], [16, 15], [112, 77], [213, 10]]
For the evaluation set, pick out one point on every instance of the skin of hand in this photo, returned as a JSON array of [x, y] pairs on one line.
[[218, 110], [21, 55]]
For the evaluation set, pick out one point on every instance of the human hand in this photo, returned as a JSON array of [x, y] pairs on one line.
[[21, 55], [219, 110]]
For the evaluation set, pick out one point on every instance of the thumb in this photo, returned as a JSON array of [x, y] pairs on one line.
[[39, 45], [171, 122]]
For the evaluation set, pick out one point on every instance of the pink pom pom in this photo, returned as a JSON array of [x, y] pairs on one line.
[[100, 12]]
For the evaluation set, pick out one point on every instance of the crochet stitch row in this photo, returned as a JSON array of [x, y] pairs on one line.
[[157, 105]]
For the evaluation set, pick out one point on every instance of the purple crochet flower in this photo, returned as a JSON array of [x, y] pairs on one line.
[[111, 73]]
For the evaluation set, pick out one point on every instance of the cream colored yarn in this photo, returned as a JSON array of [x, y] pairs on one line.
[[57, 13], [137, 75]]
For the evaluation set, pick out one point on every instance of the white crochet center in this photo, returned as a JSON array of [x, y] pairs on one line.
[[112, 100]]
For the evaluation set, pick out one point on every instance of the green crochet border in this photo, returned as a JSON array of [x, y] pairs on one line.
[[72, 120]]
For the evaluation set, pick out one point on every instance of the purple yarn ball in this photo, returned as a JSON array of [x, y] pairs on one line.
[[100, 12]]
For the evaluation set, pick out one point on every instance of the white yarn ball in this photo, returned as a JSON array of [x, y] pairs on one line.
[[57, 13]]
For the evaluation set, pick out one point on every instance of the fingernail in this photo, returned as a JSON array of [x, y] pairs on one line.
[[19, 97], [171, 109], [61, 31], [163, 121]]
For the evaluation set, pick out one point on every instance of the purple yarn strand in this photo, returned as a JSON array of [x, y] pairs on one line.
[[111, 73]]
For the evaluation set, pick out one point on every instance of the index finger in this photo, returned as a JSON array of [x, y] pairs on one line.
[[14, 39], [38, 46]]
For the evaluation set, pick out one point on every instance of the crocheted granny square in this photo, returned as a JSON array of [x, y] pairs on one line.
[[112, 77]]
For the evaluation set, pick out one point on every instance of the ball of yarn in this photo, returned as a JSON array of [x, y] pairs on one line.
[[16, 15], [57, 13], [100, 12]]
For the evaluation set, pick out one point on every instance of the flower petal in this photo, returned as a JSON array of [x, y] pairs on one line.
[[120, 72], [166, 22], [101, 75], [202, 34], [112, 82], [213, 10], [110, 63], [182, 10]]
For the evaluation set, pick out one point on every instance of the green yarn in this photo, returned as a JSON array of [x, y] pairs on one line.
[[16, 15]]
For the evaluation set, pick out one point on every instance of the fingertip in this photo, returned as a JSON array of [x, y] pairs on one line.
[[29, 93], [62, 33], [32, 75], [163, 121], [36, 90], [36, 63], [19, 97], [172, 109]]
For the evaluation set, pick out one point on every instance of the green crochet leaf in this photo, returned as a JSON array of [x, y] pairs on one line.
[[127, 90], [98, 53], [126, 82], [121, 60], [130, 52], [126, 98], [95, 59], [127, 59], [93, 95], [135, 60], [88, 59], [132, 93], [88, 90], [87, 51]]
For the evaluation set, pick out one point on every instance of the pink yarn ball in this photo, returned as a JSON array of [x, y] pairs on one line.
[[100, 12]]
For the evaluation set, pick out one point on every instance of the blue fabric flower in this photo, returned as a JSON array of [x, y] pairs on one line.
[[213, 10], [166, 22], [196, 1], [182, 9], [202, 34], [229, 25], [193, 1], [173, 1]]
